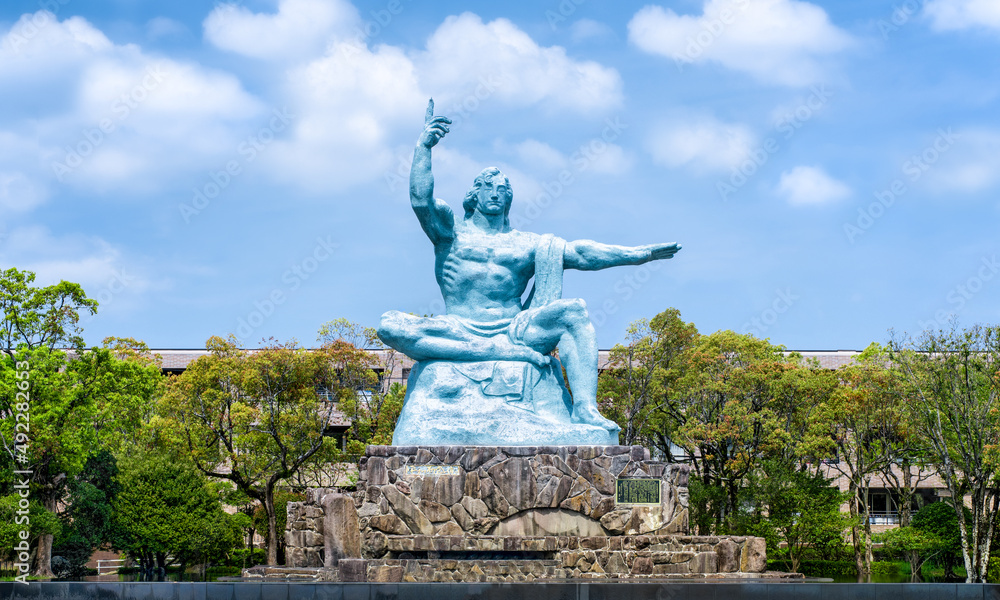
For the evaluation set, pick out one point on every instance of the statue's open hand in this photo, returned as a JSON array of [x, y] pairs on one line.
[[661, 251], [435, 128]]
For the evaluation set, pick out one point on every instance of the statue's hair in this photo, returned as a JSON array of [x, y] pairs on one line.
[[469, 204]]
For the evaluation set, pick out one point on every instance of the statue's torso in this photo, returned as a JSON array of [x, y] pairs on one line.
[[483, 275]]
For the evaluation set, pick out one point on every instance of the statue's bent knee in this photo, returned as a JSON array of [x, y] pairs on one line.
[[576, 312], [391, 330]]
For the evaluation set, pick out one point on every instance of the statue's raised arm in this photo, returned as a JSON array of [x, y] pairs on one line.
[[435, 216], [588, 255]]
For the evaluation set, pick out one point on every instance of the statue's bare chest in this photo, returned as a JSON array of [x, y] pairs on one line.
[[513, 251]]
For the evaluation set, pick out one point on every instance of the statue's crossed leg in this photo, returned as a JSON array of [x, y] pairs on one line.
[[530, 336]]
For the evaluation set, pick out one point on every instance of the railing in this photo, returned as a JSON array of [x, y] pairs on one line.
[[107, 566], [877, 517]]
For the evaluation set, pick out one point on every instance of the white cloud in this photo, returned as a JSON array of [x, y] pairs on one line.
[[354, 102], [596, 156], [18, 193], [88, 260], [468, 61], [300, 28], [701, 142], [811, 185], [540, 155], [611, 161], [126, 120], [963, 14], [586, 30], [349, 106], [777, 41], [39, 48], [161, 27], [970, 165]]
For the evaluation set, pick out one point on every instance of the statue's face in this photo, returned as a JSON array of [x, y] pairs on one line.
[[493, 196]]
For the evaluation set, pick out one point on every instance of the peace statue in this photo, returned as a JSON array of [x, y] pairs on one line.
[[485, 374]]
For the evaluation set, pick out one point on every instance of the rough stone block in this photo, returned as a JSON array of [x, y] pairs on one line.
[[754, 556], [342, 537], [476, 508], [408, 512], [353, 570], [642, 565], [435, 512], [449, 528], [390, 524], [377, 473], [728, 556], [386, 574], [704, 562]]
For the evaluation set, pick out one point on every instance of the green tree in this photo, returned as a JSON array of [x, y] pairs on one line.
[[940, 520], [40, 317], [41, 522], [853, 429], [365, 394], [255, 418], [804, 510], [79, 403], [636, 384], [281, 500], [728, 406], [952, 388], [34, 321], [166, 509], [87, 514], [916, 546]]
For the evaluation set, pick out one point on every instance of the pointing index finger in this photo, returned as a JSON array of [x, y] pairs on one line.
[[430, 111]]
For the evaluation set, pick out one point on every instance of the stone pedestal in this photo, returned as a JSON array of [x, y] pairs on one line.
[[470, 513], [491, 403], [512, 492]]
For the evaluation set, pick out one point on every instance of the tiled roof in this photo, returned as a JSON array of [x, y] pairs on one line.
[[173, 359], [830, 359]]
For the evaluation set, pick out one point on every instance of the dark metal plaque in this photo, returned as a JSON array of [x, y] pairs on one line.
[[637, 491]]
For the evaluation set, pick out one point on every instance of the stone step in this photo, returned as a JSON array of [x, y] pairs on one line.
[[656, 543], [396, 570]]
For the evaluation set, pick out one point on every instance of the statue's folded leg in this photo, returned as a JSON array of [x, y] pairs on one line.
[[445, 338], [566, 323]]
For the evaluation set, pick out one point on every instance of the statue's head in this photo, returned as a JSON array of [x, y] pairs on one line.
[[491, 194]]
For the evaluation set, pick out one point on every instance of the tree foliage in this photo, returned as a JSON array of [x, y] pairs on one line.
[[952, 386], [634, 389], [166, 509], [80, 402], [256, 418], [365, 394], [87, 515], [36, 317]]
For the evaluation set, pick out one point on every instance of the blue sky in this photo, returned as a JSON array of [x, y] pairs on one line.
[[831, 168]]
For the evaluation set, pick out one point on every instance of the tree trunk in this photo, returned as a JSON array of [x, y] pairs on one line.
[[272, 526], [866, 529], [957, 503], [913, 557], [905, 495], [43, 558], [855, 535]]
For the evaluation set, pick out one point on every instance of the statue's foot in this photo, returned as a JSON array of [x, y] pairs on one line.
[[536, 358], [588, 414]]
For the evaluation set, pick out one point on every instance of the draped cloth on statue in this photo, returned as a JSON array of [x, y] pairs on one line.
[[498, 402]]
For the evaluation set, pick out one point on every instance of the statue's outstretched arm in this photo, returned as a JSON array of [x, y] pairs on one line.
[[588, 255], [435, 216]]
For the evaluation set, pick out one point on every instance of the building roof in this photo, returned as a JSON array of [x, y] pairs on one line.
[[175, 360]]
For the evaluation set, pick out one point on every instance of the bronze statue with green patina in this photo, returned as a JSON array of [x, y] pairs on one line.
[[483, 268]]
